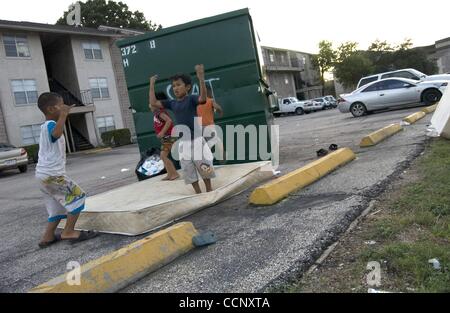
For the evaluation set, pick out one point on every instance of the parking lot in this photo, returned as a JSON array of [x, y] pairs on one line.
[[257, 248]]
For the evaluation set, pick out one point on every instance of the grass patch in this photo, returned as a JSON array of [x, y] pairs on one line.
[[423, 205], [414, 227], [407, 263]]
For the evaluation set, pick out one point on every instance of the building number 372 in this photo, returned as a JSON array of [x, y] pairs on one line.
[[132, 49], [128, 50]]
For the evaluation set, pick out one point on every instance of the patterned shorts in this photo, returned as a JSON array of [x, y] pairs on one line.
[[61, 195], [196, 160]]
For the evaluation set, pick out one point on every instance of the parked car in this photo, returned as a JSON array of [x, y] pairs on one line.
[[390, 93], [321, 103], [408, 73], [12, 158], [332, 100], [292, 105]]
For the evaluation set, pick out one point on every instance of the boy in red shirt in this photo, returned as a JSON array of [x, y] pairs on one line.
[[163, 125]]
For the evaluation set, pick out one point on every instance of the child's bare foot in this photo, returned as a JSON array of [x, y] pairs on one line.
[[171, 177], [66, 235]]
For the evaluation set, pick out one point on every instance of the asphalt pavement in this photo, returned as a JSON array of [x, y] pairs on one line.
[[258, 247]]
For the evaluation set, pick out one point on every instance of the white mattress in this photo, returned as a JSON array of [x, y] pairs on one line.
[[148, 205], [441, 117]]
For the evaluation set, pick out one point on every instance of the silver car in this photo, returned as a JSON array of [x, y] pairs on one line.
[[12, 158], [390, 93]]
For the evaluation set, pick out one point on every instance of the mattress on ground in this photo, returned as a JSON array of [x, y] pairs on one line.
[[148, 205], [441, 117]]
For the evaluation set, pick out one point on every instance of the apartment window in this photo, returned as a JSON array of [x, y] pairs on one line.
[[272, 59], [25, 91], [16, 46], [92, 51], [105, 124], [99, 88], [31, 134]]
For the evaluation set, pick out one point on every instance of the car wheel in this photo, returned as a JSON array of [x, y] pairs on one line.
[[276, 114], [23, 168], [431, 96], [299, 111], [358, 109]]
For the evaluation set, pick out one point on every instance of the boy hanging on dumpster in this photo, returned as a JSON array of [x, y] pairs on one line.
[[195, 155], [64, 199], [163, 125]]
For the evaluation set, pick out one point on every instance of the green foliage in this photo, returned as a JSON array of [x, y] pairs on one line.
[[346, 50], [353, 64], [352, 68], [409, 262], [324, 60], [32, 151], [117, 137], [115, 14], [380, 46]]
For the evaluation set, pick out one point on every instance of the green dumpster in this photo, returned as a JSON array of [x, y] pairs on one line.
[[227, 46]]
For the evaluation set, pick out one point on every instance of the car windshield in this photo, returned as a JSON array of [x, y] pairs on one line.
[[418, 74]]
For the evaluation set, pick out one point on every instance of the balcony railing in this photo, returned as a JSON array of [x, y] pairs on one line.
[[80, 98]]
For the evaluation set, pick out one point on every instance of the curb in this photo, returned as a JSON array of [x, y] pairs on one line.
[[94, 151], [281, 187], [379, 135], [411, 119], [122, 267], [430, 109]]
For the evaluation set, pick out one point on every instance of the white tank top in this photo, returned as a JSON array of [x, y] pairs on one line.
[[52, 153]]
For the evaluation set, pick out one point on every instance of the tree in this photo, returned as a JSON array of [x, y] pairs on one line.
[[115, 14], [414, 58], [324, 61], [380, 46], [351, 64], [345, 50], [406, 45], [350, 70]]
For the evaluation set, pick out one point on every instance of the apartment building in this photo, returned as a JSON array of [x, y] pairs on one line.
[[291, 73], [83, 65]]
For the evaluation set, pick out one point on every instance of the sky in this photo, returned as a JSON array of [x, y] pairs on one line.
[[290, 24]]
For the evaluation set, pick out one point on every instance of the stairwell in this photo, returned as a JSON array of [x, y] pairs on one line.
[[69, 98], [81, 143]]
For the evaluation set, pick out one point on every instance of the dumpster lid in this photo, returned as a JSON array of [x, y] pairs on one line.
[[180, 27]]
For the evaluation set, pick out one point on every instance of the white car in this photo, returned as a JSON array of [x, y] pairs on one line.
[[390, 93], [292, 105], [12, 158], [408, 73]]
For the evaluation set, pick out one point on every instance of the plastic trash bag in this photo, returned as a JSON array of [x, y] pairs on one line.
[[150, 165]]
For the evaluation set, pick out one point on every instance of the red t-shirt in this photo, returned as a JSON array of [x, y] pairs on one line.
[[159, 123]]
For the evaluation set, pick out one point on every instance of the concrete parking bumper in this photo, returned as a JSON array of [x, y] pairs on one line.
[[379, 135], [116, 270], [281, 187], [430, 109], [411, 119]]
